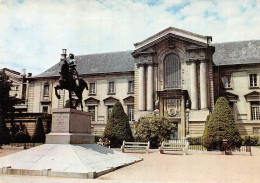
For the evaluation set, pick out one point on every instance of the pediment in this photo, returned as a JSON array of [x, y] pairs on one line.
[[110, 101], [230, 96], [91, 101], [253, 96], [129, 100], [171, 34]]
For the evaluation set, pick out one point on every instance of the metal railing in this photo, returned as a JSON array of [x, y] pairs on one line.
[[25, 145], [196, 145]]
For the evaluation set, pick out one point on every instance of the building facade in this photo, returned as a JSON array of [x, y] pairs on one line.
[[174, 73]]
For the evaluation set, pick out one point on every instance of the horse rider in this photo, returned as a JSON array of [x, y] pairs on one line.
[[72, 64]]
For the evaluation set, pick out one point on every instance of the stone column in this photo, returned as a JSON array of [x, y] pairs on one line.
[[141, 88], [203, 85], [27, 92], [149, 96], [194, 89], [183, 118]]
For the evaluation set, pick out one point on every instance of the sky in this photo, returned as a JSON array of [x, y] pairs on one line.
[[34, 32]]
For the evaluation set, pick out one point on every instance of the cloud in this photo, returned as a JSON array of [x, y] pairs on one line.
[[33, 33]]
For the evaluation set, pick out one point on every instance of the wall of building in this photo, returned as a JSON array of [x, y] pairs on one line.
[[240, 86]]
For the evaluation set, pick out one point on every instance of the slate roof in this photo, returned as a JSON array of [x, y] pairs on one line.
[[102, 63], [231, 53], [241, 52]]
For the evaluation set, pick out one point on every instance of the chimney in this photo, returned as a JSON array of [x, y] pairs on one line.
[[23, 72], [64, 54]]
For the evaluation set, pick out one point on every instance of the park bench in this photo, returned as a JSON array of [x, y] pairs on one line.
[[175, 146], [135, 146]]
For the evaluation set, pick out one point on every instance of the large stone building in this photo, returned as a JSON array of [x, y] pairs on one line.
[[174, 73]]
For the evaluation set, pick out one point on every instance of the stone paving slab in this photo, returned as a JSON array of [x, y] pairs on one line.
[[65, 160]]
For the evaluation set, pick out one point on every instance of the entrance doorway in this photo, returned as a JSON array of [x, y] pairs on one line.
[[174, 132]]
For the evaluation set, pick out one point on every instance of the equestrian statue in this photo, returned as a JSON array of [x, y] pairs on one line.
[[70, 80]]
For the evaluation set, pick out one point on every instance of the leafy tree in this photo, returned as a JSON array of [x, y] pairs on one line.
[[221, 125], [6, 105], [154, 129], [38, 134], [118, 129]]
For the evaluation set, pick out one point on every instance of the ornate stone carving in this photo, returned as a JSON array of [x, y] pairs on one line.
[[172, 107], [144, 59], [197, 55]]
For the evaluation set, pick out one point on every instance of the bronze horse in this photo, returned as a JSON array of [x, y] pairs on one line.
[[68, 82]]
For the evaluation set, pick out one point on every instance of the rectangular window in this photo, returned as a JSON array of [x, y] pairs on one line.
[[45, 109], [46, 90], [227, 81], [131, 86], [92, 111], [253, 80], [255, 110], [92, 89], [109, 110], [131, 112], [111, 87]]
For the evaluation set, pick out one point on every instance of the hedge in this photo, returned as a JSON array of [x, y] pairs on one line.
[[254, 140]]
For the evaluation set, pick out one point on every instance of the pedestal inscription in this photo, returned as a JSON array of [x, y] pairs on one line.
[[60, 123]]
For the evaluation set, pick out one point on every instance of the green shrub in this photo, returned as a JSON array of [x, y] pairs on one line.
[[118, 129], [251, 140], [195, 140], [154, 129], [22, 137], [221, 125], [38, 134]]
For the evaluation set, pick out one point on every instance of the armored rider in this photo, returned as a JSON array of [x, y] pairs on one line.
[[72, 64]]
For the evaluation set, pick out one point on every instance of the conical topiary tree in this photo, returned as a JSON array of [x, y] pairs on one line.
[[221, 125], [118, 129], [38, 134], [206, 125]]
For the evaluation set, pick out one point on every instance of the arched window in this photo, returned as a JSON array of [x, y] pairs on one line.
[[172, 71]]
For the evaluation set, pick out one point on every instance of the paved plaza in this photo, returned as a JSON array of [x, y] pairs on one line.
[[196, 167]]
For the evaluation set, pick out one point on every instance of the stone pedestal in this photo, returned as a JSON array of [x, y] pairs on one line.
[[70, 126]]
